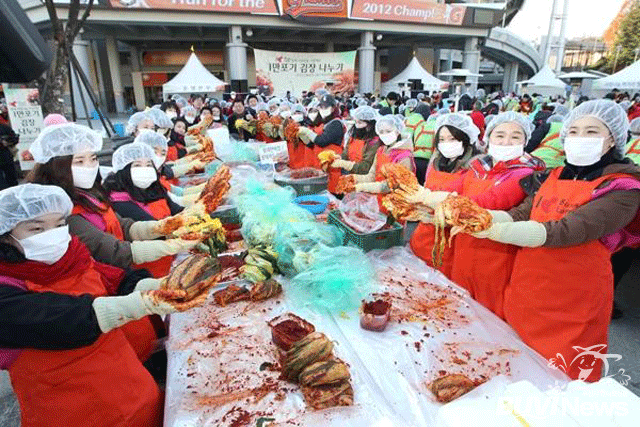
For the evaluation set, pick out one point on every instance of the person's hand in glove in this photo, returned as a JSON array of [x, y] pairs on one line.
[[431, 198], [372, 187], [529, 234], [183, 169], [149, 284], [151, 250], [194, 148], [347, 165], [306, 135], [113, 312], [267, 128], [146, 230]]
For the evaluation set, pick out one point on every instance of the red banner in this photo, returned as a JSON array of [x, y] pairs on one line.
[[422, 11], [316, 11], [262, 7]]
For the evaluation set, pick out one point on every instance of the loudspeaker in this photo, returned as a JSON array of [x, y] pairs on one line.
[[24, 55]]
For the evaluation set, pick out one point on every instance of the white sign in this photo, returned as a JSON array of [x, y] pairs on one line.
[[274, 152], [25, 115], [279, 72]]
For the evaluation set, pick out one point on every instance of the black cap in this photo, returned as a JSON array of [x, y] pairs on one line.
[[327, 101]]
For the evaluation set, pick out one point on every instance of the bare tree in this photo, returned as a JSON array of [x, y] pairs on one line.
[[52, 85]]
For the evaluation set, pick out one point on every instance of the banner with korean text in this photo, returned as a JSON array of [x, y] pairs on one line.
[[279, 72]]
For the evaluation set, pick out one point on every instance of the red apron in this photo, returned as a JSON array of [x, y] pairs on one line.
[[423, 237], [172, 153], [355, 149], [314, 162], [159, 209], [311, 152], [560, 298], [140, 333], [100, 385], [482, 266], [296, 154]]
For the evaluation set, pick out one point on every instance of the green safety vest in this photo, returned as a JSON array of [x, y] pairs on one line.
[[423, 139], [412, 122], [633, 151], [550, 149]]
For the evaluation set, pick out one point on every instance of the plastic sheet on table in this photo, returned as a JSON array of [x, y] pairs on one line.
[[294, 176], [361, 212]]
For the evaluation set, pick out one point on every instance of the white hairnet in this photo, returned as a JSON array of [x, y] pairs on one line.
[[136, 119], [625, 105], [273, 101], [285, 104], [360, 102], [262, 106], [160, 118], [65, 139], [488, 119], [313, 105], [298, 108], [181, 103], [151, 138], [561, 110], [129, 153], [390, 120], [510, 117], [634, 126], [556, 118], [364, 113], [412, 103], [480, 93], [421, 96], [29, 201], [459, 121], [609, 113], [444, 111]]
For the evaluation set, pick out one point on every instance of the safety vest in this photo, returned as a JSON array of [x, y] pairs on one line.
[[412, 122], [423, 139], [550, 149], [633, 151]]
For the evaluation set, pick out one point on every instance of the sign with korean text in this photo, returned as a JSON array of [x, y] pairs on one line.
[[421, 11], [275, 152], [316, 11], [261, 7], [279, 72], [25, 115]]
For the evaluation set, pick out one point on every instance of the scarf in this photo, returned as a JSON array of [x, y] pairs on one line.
[[76, 260], [483, 166], [590, 172]]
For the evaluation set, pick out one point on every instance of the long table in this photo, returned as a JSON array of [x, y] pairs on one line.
[[218, 371]]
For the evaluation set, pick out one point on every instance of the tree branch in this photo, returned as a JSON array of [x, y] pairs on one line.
[[72, 20], [85, 15], [53, 16]]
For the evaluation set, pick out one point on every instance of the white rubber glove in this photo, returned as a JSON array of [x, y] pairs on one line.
[[148, 284], [194, 148], [196, 189], [187, 200], [144, 230], [151, 250], [183, 169], [500, 216], [190, 140], [372, 187], [113, 312], [343, 164], [528, 234], [434, 198], [307, 135]]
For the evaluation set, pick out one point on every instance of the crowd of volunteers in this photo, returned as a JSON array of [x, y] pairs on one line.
[[80, 249]]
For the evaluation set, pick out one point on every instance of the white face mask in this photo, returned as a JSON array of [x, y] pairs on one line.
[[325, 112], [84, 177], [143, 177], [583, 151], [158, 161], [313, 116], [189, 119], [285, 114], [504, 153], [360, 125], [216, 117], [47, 247], [451, 150], [297, 117], [172, 114], [389, 138]]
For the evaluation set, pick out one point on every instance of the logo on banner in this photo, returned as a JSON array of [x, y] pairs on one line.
[[316, 11], [586, 361]]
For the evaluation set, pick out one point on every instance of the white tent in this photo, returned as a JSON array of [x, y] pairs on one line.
[[626, 79], [413, 71], [193, 78], [545, 83]]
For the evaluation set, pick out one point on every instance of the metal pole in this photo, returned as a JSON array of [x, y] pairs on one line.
[[563, 33], [71, 98], [84, 102], [547, 47]]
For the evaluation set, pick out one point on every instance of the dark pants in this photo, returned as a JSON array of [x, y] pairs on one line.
[[621, 262]]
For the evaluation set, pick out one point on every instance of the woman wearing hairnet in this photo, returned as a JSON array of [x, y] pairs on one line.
[[138, 121], [135, 192], [65, 156], [296, 148], [550, 148], [361, 145], [481, 266], [397, 148], [176, 148], [455, 137], [560, 295], [65, 317]]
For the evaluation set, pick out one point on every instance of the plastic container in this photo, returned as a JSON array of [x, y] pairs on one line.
[[315, 204], [314, 184], [374, 315], [382, 239]]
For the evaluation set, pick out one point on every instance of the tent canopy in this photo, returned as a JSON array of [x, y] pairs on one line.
[[628, 78], [193, 78], [545, 83], [413, 71]]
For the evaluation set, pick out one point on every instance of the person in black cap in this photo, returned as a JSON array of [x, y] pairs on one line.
[[326, 135]]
